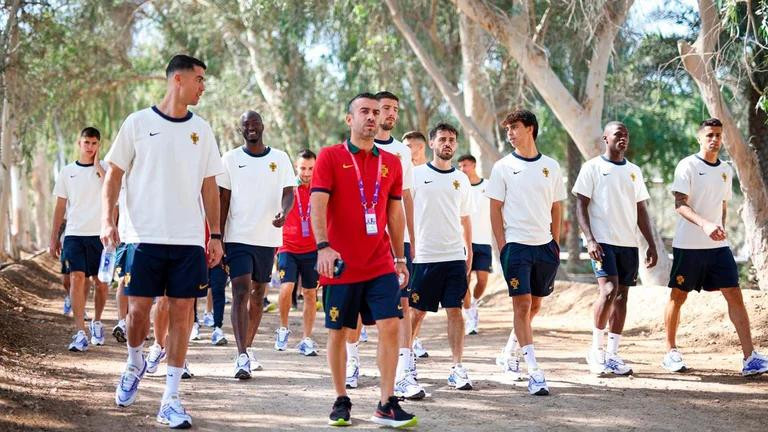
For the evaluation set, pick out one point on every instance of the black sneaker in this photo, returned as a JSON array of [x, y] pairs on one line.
[[390, 414], [340, 415]]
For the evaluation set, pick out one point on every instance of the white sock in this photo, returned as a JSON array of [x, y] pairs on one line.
[[403, 362], [512, 344], [530, 358], [612, 347], [473, 303], [135, 356], [172, 380], [352, 351], [597, 338]]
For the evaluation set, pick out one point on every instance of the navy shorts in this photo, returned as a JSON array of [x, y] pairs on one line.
[[482, 258], [242, 259], [156, 270], [530, 269], [438, 283], [64, 265], [708, 269], [291, 266], [621, 261], [83, 254], [123, 251], [373, 300]]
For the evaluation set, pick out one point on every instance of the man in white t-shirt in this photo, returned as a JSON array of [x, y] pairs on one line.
[[611, 197], [78, 192], [256, 195], [525, 189], [169, 158], [482, 256], [443, 203], [702, 255], [417, 143]]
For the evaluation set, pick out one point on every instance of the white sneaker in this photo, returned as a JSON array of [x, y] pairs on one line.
[[307, 347], [186, 373], [407, 387], [418, 349], [255, 365], [353, 373], [208, 319], [281, 339], [79, 342], [195, 333], [673, 361], [363, 335], [217, 337], [243, 367], [615, 365], [510, 365], [128, 387], [596, 361], [172, 413], [119, 332], [459, 378], [155, 356], [537, 384], [97, 333], [755, 364]]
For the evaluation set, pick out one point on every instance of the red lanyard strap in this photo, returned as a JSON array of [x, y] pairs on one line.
[[361, 185]]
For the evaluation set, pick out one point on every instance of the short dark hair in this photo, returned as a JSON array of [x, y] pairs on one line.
[[91, 132], [467, 157], [414, 135], [386, 95], [712, 122], [442, 127], [363, 95], [307, 154], [523, 116], [182, 62]]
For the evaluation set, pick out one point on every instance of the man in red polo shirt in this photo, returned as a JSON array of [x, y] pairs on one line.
[[356, 192]]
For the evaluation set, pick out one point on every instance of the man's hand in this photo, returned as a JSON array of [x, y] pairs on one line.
[[714, 231], [109, 234], [402, 274], [651, 257], [325, 258], [55, 248], [215, 252], [595, 250], [279, 220]]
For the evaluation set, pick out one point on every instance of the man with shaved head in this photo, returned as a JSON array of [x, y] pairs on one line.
[[611, 197], [256, 195]]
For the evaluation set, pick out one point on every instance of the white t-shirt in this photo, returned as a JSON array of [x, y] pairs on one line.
[[257, 183], [707, 186], [403, 153], [80, 185], [614, 189], [481, 218], [440, 199], [528, 187], [165, 160]]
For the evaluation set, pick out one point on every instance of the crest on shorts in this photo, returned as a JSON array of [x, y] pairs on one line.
[[118, 270], [415, 297], [456, 184], [633, 176], [127, 278], [725, 177], [226, 268], [334, 313], [514, 283], [680, 279], [598, 265], [545, 171], [272, 166], [195, 138], [384, 171], [282, 274]]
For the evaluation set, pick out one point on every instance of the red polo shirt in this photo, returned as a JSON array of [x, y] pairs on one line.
[[365, 256], [293, 241]]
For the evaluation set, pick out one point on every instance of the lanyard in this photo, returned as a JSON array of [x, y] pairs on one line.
[[303, 216], [361, 186]]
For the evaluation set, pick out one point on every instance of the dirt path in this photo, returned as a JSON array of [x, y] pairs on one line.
[[42, 386]]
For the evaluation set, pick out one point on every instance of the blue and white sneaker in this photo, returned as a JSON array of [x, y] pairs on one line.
[[186, 373], [363, 335], [756, 364], [128, 387], [596, 361], [208, 319], [217, 337], [194, 334], [172, 413], [418, 349], [537, 384], [155, 356], [97, 333], [307, 347], [459, 378], [243, 367], [281, 339], [353, 373], [67, 305], [510, 365], [673, 361], [615, 365], [255, 365], [79, 342]]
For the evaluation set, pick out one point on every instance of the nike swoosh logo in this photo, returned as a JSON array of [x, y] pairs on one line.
[[153, 134], [702, 173], [427, 182], [241, 166], [73, 176], [605, 174], [347, 166], [517, 172]]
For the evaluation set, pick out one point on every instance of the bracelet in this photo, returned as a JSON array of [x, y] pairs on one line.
[[401, 260], [323, 245], [216, 237]]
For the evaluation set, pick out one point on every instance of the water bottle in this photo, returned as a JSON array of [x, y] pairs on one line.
[[107, 264]]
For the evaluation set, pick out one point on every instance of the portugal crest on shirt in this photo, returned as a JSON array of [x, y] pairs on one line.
[[546, 172], [725, 177], [272, 166], [384, 171], [633, 177], [195, 138], [456, 184]]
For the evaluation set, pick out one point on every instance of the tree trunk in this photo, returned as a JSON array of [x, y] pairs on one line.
[[572, 243], [41, 184]]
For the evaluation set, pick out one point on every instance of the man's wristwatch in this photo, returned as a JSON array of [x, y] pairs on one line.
[[215, 236], [323, 245], [400, 260]]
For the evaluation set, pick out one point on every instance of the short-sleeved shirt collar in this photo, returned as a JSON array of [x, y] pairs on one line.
[[355, 149]]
